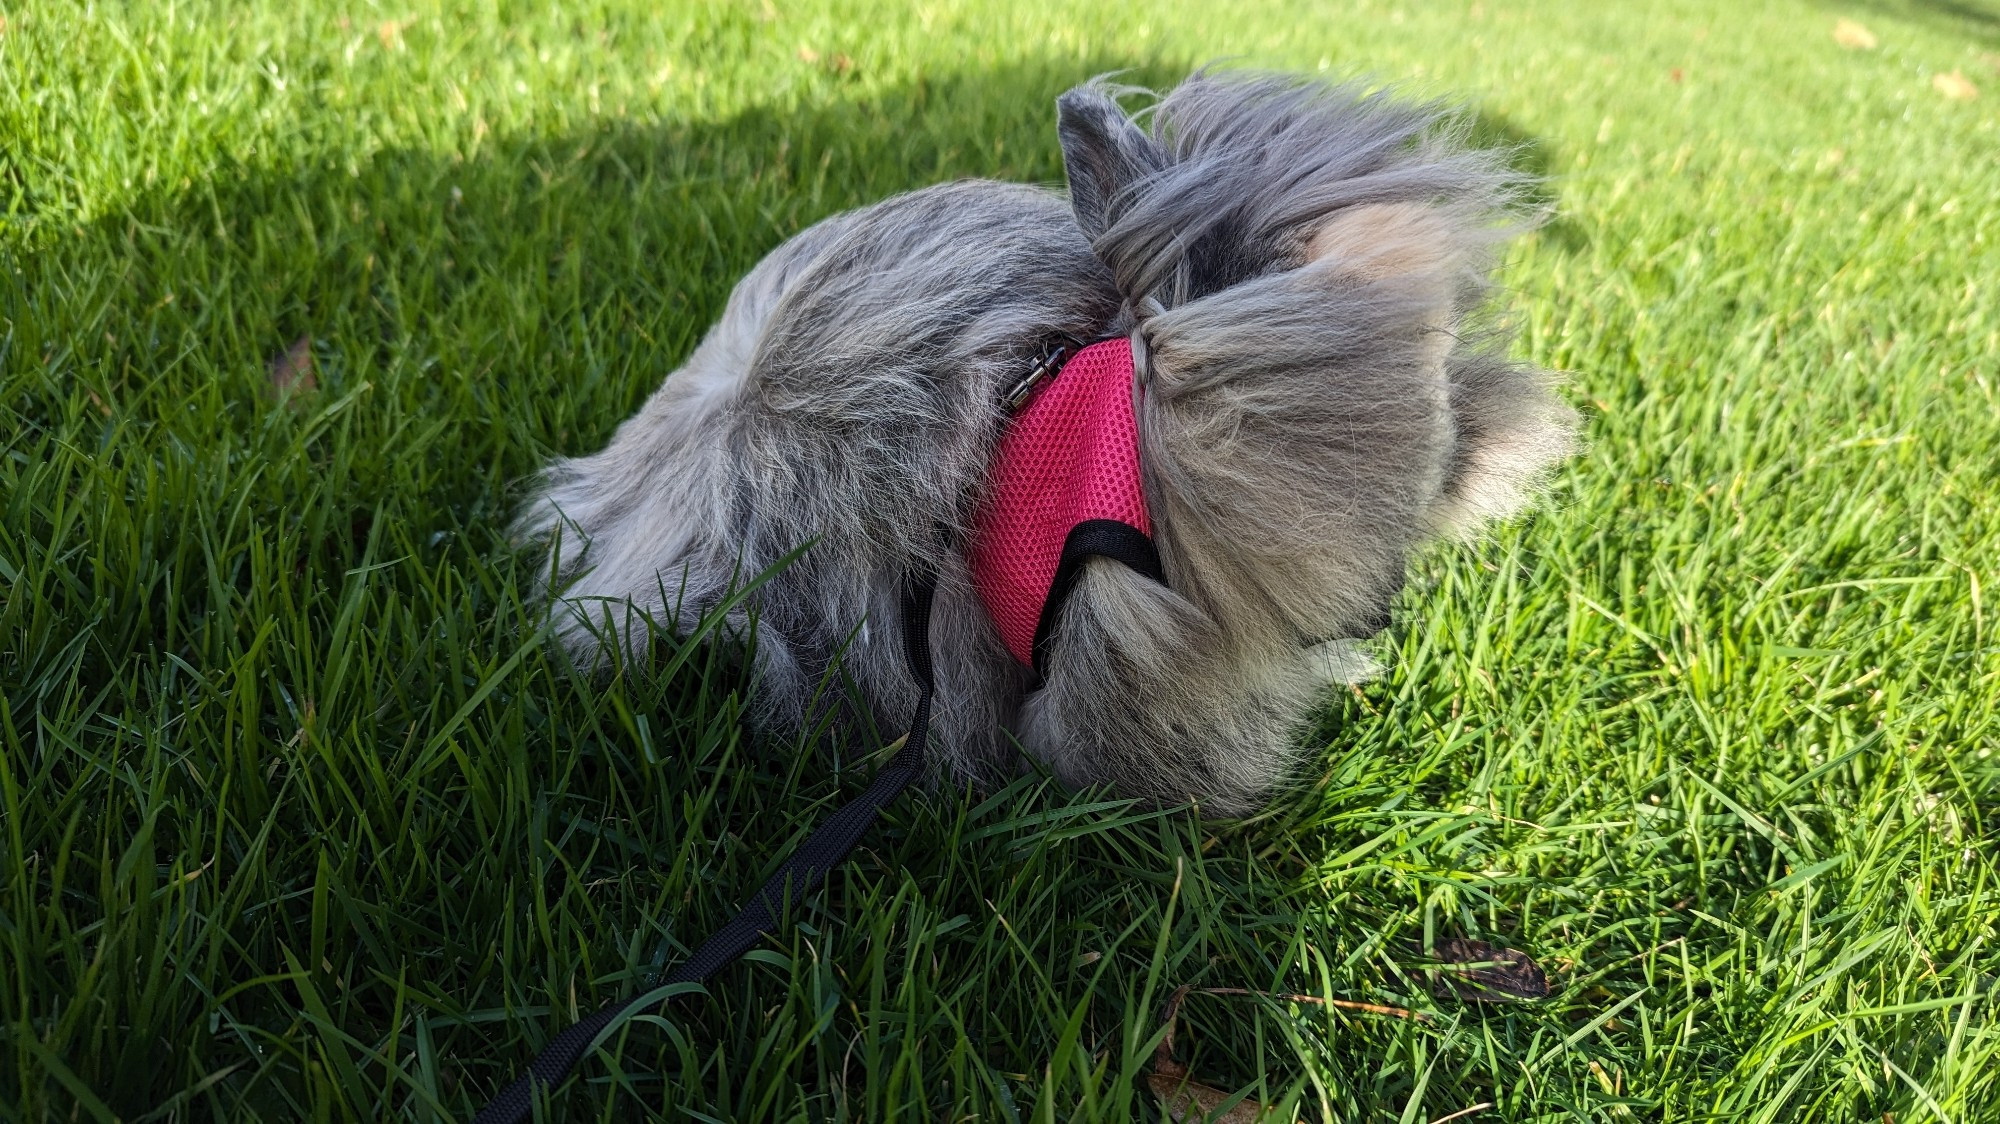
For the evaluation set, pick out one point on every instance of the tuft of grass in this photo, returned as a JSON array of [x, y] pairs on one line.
[[300, 820]]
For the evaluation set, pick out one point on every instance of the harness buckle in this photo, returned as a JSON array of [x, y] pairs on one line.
[[1047, 368]]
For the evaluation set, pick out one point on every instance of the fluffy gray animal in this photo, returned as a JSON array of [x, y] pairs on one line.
[[1305, 265]]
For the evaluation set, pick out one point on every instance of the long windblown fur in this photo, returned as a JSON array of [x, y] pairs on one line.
[[1302, 266]]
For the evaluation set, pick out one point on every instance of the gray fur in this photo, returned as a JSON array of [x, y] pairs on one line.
[[1297, 261]]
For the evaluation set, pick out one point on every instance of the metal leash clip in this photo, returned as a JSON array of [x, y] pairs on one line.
[[1051, 363]]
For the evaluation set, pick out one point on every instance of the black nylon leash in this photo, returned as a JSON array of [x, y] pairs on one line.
[[803, 872]]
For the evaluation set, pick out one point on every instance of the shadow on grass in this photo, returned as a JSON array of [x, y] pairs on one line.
[[1535, 155], [416, 827], [1972, 20]]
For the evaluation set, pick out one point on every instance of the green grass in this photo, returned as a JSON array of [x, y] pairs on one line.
[[298, 821]]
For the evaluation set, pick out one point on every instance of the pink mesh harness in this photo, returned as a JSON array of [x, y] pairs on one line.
[[1064, 486]]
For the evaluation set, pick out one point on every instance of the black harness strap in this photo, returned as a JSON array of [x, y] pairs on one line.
[[802, 873], [1092, 538]]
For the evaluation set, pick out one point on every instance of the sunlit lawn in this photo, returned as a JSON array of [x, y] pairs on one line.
[[299, 821]]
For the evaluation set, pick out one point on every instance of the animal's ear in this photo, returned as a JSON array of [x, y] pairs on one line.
[[1104, 153]]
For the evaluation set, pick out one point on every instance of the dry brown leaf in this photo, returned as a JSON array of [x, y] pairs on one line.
[[1852, 35], [1954, 86], [1484, 973], [1186, 1100], [1191, 1102], [292, 372], [1163, 1056], [835, 63]]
